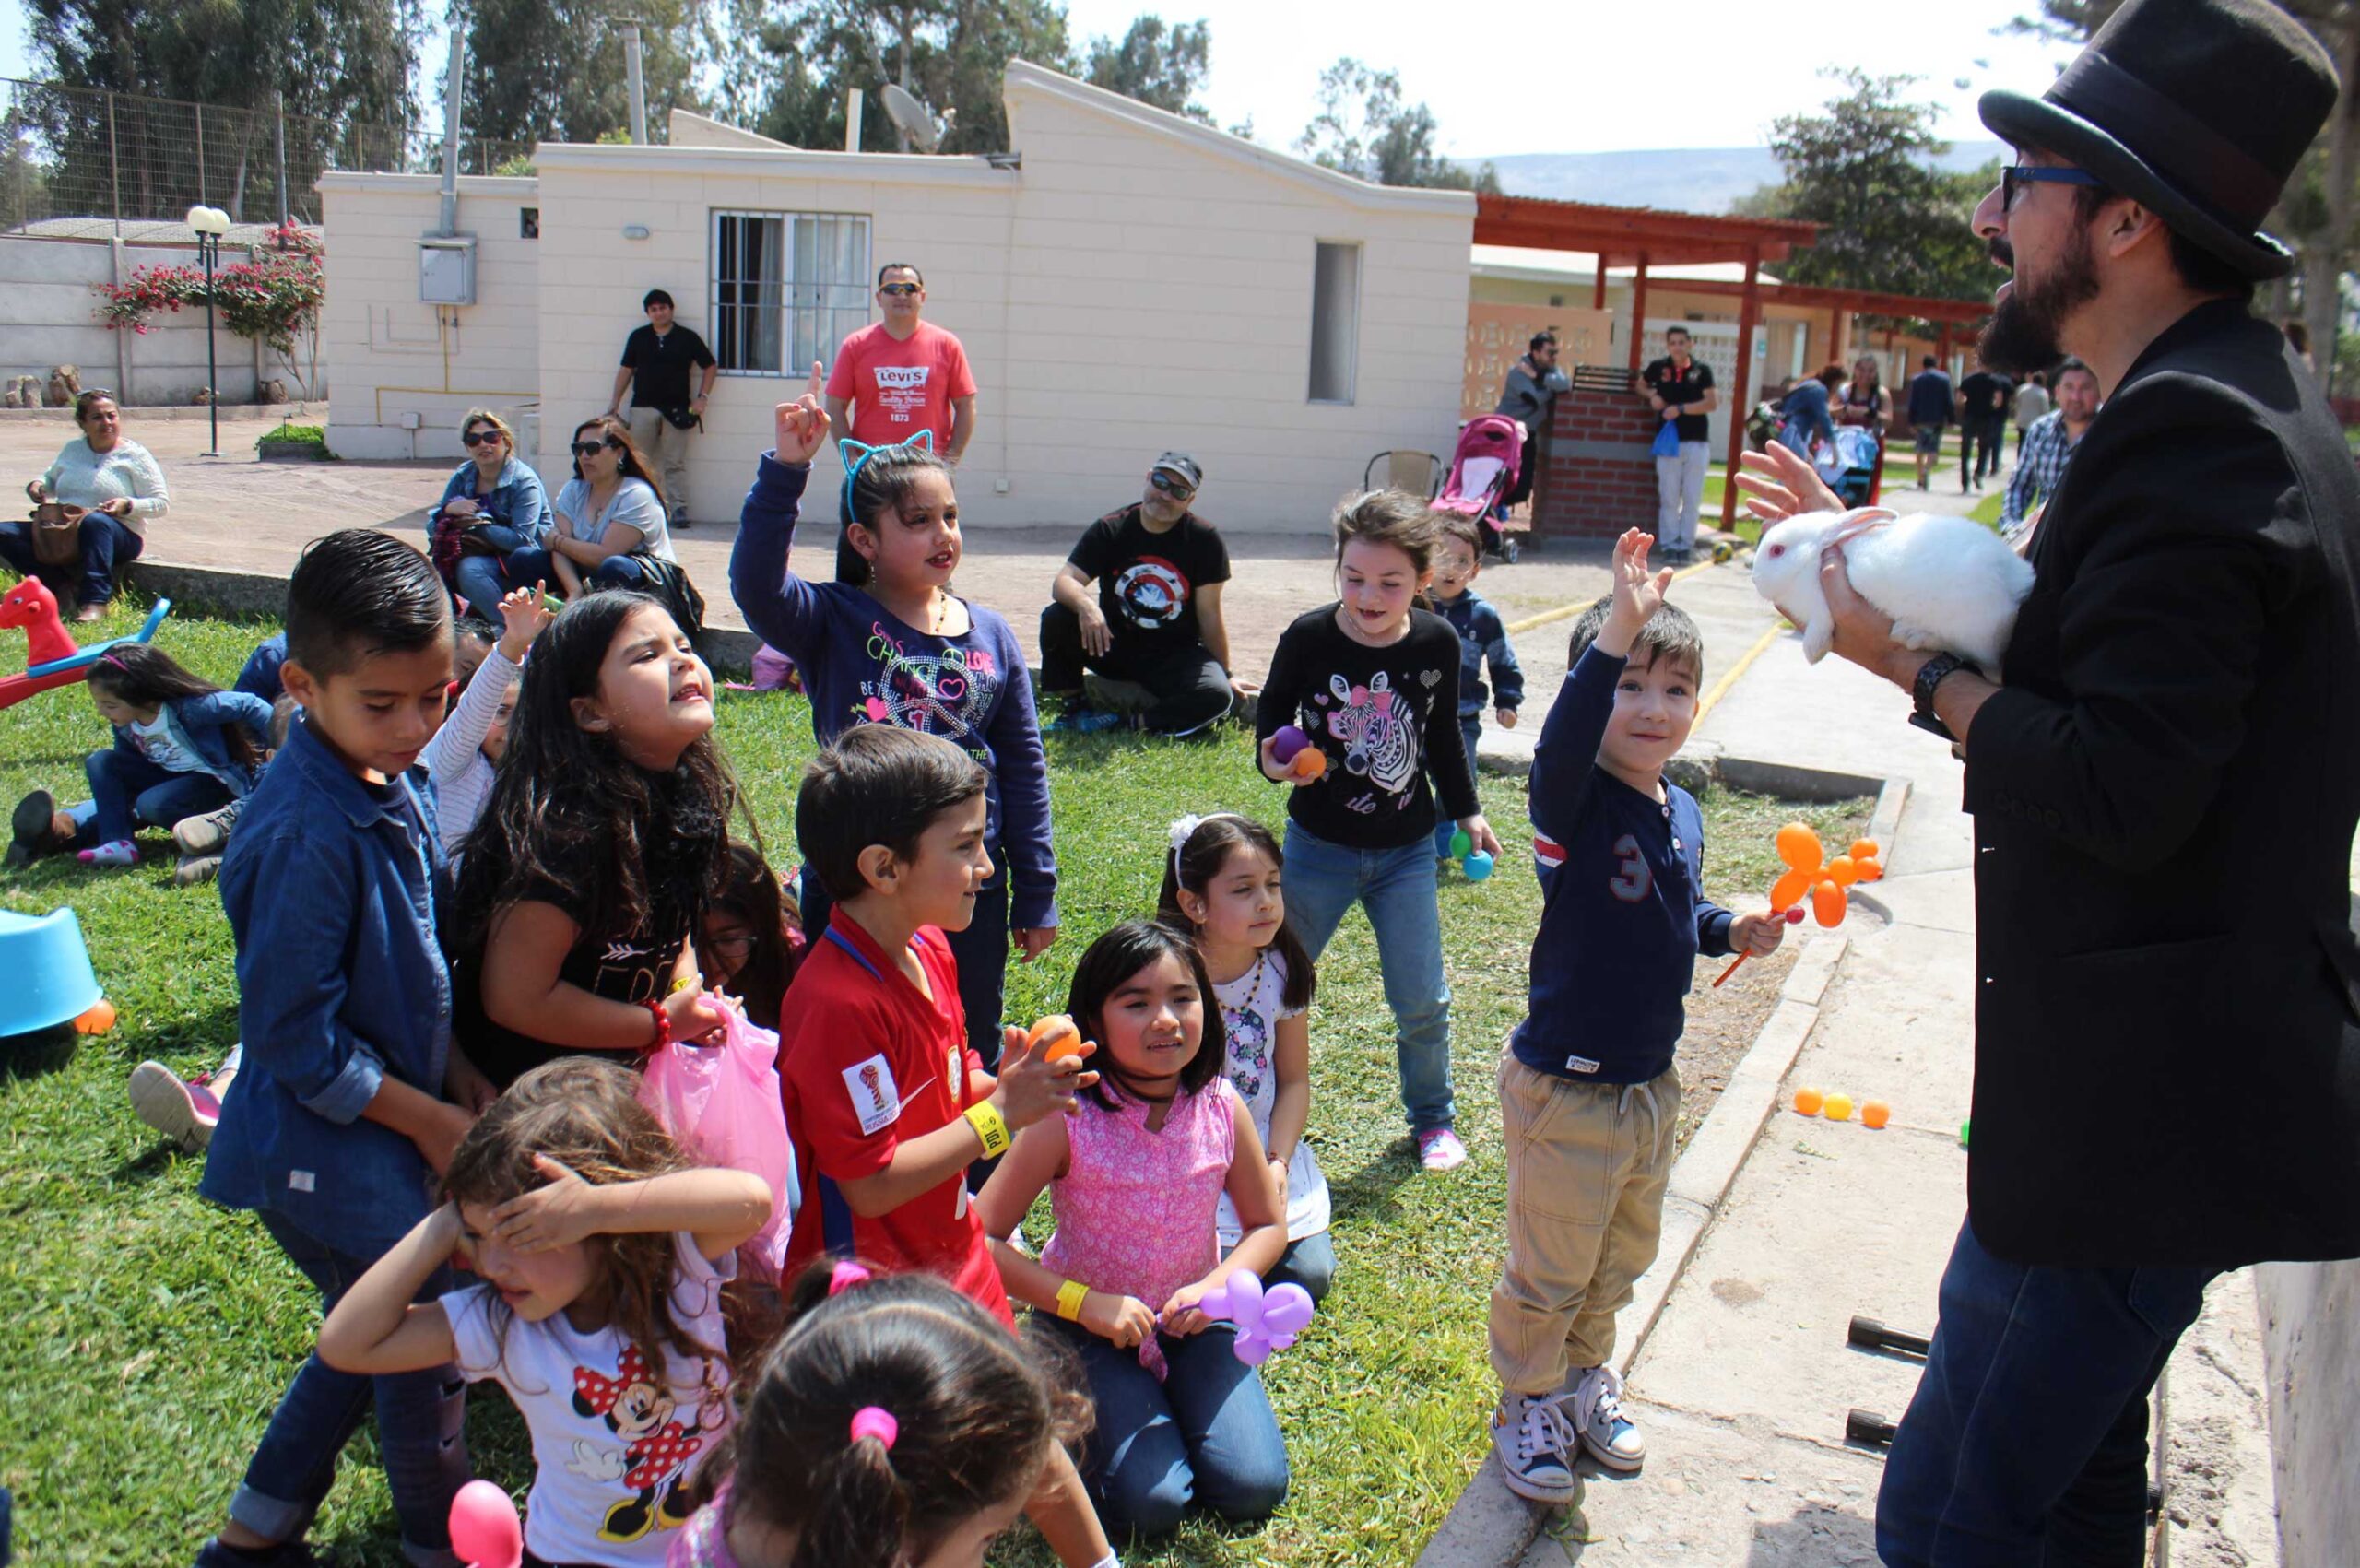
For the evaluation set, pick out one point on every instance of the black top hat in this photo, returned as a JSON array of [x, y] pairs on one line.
[[2198, 109]]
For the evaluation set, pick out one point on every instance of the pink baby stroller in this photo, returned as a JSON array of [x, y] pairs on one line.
[[1483, 469]]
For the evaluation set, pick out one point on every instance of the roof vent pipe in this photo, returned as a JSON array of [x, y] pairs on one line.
[[451, 134]]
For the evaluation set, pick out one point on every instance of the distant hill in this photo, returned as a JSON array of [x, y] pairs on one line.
[[1688, 180]]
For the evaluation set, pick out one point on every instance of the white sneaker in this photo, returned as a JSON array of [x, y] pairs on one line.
[[1534, 1441], [1609, 1437], [184, 1110]]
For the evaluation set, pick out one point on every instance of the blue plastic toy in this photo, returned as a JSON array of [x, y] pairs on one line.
[[50, 982]]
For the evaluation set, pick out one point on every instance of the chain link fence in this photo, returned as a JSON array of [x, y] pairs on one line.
[[75, 153]]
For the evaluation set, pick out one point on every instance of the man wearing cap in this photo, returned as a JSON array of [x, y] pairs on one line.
[[2165, 776], [1155, 619]]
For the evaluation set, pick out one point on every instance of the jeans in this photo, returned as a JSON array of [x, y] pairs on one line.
[[981, 951], [106, 540], [126, 791], [483, 579], [418, 1426], [1978, 452], [1680, 492], [1396, 886], [1310, 1263], [2027, 1442], [1191, 690], [1205, 1435], [536, 564]]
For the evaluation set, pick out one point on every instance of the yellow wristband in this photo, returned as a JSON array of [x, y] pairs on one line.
[[990, 1127], [1070, 1296]]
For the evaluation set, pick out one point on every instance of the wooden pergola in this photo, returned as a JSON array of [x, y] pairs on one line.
[[1642, 237]]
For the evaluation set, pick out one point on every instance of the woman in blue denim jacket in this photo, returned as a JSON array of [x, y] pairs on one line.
[[494, 499], [183, 747]]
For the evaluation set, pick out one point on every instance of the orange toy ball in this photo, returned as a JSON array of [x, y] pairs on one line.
[[1309, 763], [1864, 849], [1875, 1114], [1839, 1107], [1842, 871], [1799, 847], [98, 1019], [1807, 1101], [1061, 1037], [1870, 870], [1790, 889], [1827, 903]]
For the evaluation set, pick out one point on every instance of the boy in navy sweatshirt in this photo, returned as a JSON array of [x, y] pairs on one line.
[[1588, 1097]]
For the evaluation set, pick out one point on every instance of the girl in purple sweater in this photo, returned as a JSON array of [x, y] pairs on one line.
[[902, 649]]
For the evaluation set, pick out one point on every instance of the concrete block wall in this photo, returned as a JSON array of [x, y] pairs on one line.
[[1598, 473], [49, 315], [396, 356]]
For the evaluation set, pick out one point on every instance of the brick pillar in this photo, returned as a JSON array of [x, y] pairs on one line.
[[1598, 473]]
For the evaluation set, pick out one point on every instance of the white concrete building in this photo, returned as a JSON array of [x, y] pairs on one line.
[[1139, 281]]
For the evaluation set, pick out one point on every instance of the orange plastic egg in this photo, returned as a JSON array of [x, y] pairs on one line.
[[1863, 849], [1055, 1037], [1807, 1101], [1789, 890], [1309, 763], [98, 1019], [1838, 1107], [1875, 1114], [1842, 871], [1827, 903], [1799, 847]]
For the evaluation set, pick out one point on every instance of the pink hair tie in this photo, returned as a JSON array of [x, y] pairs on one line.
[[874, 1421], [845, 1275]]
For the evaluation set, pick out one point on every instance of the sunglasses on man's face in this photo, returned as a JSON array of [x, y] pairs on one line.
[[592, 448], [897, 289], [1178, 490], [2016, 175], [479, 438]]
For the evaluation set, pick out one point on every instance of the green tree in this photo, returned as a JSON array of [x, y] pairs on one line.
[[1363, 128], [950, 53], [1863, 170], [1161, 65], [554, 70], [336, 64]]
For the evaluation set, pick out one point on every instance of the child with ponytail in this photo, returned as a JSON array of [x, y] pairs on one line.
[[895, 1424]]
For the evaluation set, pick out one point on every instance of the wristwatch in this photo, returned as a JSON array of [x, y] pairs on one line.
[[1931, 674]]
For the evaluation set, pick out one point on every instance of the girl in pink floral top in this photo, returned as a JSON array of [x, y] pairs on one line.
[[1134, 1177]]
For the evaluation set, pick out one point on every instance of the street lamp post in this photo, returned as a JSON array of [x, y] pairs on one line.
[[210, 223]]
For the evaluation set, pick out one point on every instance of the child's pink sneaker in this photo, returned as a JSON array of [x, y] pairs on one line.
[[122, 852], [184, 1110], [1439, 1150]]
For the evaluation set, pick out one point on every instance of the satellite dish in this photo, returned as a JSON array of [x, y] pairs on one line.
[[916, 121]]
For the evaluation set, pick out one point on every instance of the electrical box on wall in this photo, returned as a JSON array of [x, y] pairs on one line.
[[446, 270]]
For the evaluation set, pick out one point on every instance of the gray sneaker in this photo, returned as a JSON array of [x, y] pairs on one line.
[[209, 833], [1535, 1443], [194, 869]]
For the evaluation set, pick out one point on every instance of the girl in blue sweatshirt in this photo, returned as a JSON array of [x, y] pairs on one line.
[[899, 648]]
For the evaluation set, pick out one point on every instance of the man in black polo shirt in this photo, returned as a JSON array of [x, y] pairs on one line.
[[1156, 618], [1681, 389], [658, 359], [1982, 425]]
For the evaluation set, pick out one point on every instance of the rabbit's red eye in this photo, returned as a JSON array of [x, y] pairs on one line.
[[1778, 549]]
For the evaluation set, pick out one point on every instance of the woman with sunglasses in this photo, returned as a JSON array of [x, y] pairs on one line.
[[493, 507], [609, 518], [113, 488]]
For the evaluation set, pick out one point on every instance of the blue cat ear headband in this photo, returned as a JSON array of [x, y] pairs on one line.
[[858, 452]]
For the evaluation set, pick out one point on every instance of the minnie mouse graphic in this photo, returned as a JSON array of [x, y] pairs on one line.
[[653, 1460]]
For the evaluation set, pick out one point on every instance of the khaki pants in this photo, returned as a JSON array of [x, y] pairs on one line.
[[666, 448], [1588, 1164]]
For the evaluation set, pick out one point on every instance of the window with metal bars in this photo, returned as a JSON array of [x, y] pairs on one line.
[[786, 288]]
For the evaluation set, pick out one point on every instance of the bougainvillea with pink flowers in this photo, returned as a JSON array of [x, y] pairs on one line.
[[273, 298]]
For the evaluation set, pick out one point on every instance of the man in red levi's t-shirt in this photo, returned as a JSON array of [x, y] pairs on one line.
[[900, 376]]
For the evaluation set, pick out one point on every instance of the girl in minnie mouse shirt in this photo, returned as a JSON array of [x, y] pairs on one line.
[[602, 1254]]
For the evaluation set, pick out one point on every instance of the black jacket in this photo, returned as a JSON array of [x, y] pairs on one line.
[[2167, 1057]]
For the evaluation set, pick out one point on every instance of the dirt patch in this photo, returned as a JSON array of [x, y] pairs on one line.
[[1721, 1024]]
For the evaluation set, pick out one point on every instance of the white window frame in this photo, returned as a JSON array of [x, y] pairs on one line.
[[1351, 322], [832, 300]]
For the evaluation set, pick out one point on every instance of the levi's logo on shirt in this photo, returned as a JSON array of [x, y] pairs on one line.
[[896, 378]]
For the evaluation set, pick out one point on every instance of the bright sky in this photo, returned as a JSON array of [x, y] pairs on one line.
[[1606, 76]]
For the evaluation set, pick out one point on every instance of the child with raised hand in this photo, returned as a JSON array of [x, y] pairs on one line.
[[461, 757], [601, 1252], [894, 1424], [1135, 1181], [1374, 680], [900, 648], [1589, 1096], [607, 829], [182, 746], [886, 1104], [1221, 880], [349, 1096]]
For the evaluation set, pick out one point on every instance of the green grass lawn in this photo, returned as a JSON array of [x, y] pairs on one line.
[[151, 1334]]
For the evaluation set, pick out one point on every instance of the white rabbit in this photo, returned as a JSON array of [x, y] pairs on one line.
[[1948, 582]]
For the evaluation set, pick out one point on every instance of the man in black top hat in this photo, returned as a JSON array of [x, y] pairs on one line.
[[2165, 776]]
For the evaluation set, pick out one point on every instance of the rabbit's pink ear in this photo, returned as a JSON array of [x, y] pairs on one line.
[[1854, 524]]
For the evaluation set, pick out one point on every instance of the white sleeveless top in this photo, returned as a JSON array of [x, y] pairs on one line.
[[1251, 1006]]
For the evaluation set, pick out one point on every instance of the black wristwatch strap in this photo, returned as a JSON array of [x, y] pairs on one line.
[[1931, 674]]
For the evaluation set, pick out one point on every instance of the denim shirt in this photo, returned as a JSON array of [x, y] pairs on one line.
[[201, 724], [517, 502], [330, 886]]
